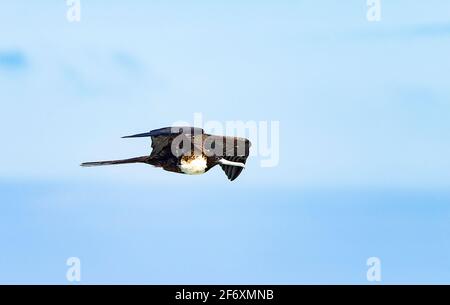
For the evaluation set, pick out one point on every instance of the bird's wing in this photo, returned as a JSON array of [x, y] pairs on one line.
[[229, 148], [169, 131], [162, 138]]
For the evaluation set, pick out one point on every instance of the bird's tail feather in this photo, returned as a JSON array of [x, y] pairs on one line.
[[143, 159]]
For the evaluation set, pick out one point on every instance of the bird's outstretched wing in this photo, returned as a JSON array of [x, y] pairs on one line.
[[162, 138], [169, 131]]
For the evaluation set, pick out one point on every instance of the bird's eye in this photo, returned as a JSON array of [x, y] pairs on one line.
[[213, 145]]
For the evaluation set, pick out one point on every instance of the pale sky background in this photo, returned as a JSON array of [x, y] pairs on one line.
[[364, 118]]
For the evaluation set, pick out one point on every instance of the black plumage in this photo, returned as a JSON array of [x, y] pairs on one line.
[[189, 150]]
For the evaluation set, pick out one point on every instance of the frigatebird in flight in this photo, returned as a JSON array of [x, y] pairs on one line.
[[188, 150]]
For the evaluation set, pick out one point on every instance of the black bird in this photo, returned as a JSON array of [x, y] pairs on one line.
[[188, 150]]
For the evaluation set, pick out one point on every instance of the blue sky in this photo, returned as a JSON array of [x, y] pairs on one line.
[[363, 110]]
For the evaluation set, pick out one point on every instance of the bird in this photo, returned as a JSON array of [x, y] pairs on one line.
[[191, 151]]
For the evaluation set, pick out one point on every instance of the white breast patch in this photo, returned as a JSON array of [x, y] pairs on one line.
[[194, 166]]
